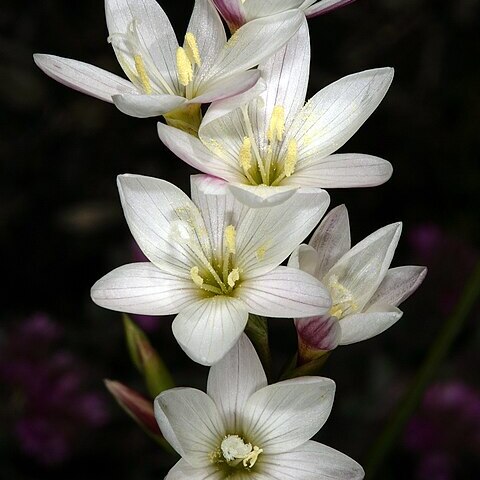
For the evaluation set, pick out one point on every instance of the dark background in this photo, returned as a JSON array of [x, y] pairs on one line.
[[62, 228]]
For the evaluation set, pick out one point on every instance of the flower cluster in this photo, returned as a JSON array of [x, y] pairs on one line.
[[234, 108]]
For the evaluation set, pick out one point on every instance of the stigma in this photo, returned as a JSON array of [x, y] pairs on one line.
[[235, 452]]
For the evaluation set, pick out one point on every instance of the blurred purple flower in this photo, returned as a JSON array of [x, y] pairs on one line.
[[444, 429], [51, 404]]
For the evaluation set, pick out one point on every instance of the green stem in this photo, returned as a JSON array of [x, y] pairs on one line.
[[452, 326]]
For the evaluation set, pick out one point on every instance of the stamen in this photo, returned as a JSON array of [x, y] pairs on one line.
[[142, 74], [276, 129], [191, 49], [291, 159], [197, 279], [184, 67], [343, 300], [246, 154], [256, 151], [251, 459], [233, 277], [231, 239]]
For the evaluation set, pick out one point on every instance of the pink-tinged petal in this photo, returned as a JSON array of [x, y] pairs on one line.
[[362, 326], [154, 31], [333, 115], [143, 289], [331, 240], [317, 461], [194, 419], [317, 335], [183, 470], [285, 415], [399, 283], [261, 196], [286, 75], [165, 223], [234, 380], [361, 270], [254, 42], [83, 77], [282, 228], [228, 87], [209, 328], [145, 106], [284, 292], [207, 27], [347, 170], [192, 151], [326, 6], [232, 11]]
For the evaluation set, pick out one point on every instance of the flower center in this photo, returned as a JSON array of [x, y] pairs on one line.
[[217, 276], [278, 159], [236, 453], [142, 72], [343, 300]]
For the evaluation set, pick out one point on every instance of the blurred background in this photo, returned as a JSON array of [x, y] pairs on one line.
[[61, 228]]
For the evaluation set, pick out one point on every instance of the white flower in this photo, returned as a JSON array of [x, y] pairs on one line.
[[243, 429], [212, 261], [365, 291], [274, 144], [165, 77], [238, 12]]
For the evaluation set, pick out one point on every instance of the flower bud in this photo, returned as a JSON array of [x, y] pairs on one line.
[[136, 405], [146, 359], [316, 337]]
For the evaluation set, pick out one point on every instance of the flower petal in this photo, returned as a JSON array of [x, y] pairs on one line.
[[260, 196], [209, 328], [284, 292], [283, 416], [319, 333], [154, 32], [312, 461], [399, 283], [325, 6], [254, 42], [263, 8], [331, 240], [286, 75], [192, 151], [267, 236], [362, 326], [183, 470], [143, 289], [347, 170], [362, 269], [232, 11], [232, 381], [195, 421], [304, 258], [145, 106], [83, 77], [207, 27], [227, 87], [334, 114], [165, 223]]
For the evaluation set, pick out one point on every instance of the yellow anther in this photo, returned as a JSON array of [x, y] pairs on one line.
[[276, 128], [343, 300], [191, 49], [231, 239], [251, 459], [184, 67], [233, 277], [291, 158], [246, 154], [142, 74], [197, 279]]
